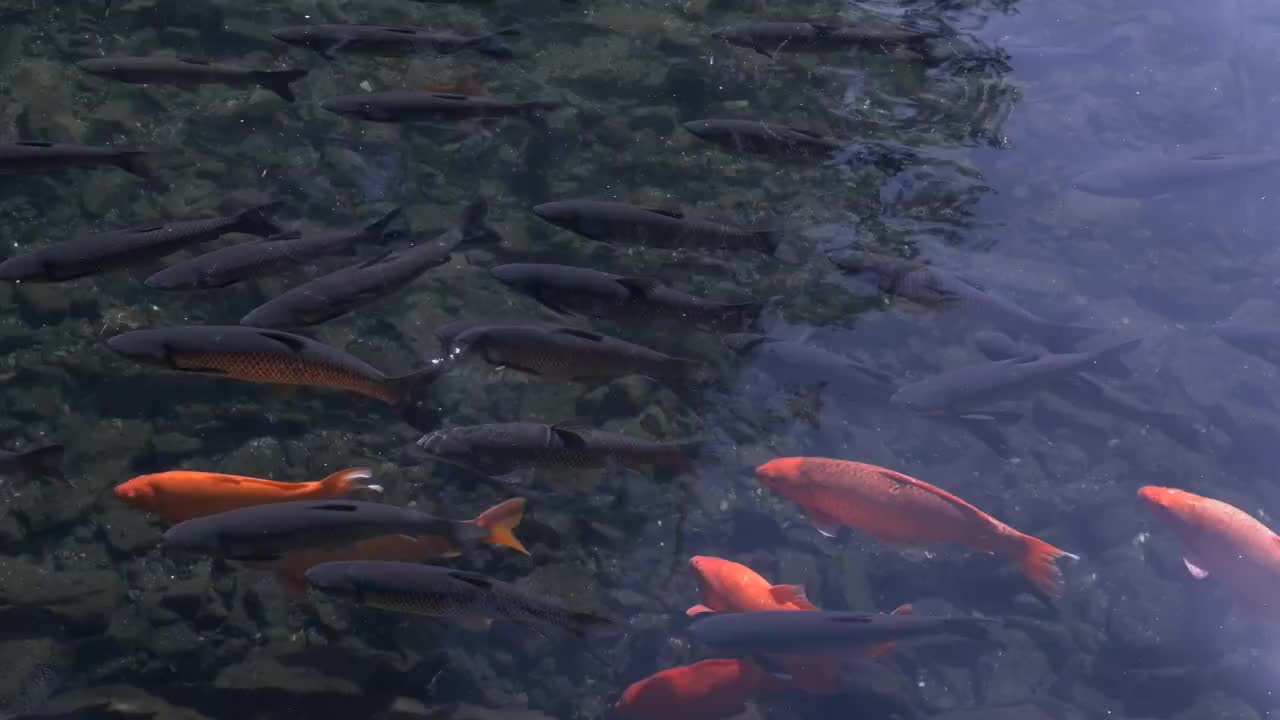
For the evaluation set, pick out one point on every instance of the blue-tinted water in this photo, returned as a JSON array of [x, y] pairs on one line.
[[1047, 162]]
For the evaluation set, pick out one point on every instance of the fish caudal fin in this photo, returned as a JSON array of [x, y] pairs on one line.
[[131, 162], [256, 220], [474, 228], [698, 610], [403, 387], [348, 481], [43, 463], [501, 521], [278, 81], [791, 595], [1038, 563]]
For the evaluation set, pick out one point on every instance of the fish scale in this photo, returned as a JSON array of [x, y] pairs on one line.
[[283, 370]]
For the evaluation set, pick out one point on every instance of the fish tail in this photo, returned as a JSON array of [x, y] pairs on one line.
[[402, 388], [501, 521], [348, 481], [492, 44], [131, 162], [255, 220], [1037, 562], [44, 463], [278, 81], [474, 228]]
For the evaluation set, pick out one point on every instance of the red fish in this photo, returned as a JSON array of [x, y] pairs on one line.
[[706, 690], [901, 509], [500, 520], [728, 586], [1225, 542], [181, 495]]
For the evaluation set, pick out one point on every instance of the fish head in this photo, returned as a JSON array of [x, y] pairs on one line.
[[1177, 508], [295, 35], [335, 580], [97, 66], [782, 475], [706, 129], [173, 278], [356, 106], [22, 267], [143, 346], [513, 276], [197, 537], [565, 213], [737, 36], [138, 492]]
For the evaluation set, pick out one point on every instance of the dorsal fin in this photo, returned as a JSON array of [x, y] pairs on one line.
[[473, 579], [571, 439], [292, 342], [584, 334], [675, 214], [637, 286], [897, 477]]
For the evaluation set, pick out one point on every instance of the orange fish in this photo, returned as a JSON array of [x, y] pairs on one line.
[[728, 586], [706, 690], [900, 509], [181, 495], [500, 520], [1223, 541]]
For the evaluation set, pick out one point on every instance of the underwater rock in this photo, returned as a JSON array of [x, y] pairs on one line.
[[84, 599], [262, 670], [1217, 706], [114, 701], [127, 531], [43, 304], [33, 670]]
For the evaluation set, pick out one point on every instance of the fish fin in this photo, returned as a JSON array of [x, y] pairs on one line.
[[552, 305], [289, 341], [698, 610], [492, 45], [378, 228], [43, 463], [572, 440], [404, 386], [1196, 571], [1037, 563], [791, 595], [638, 287], [348, 481], [131, 162], [1003, 417], [585, 621], [501, 521], [473, 579], [473, 225], [255, 220], [772, 667], [278, 81], [824, 523], [752, 344], [904, 609], [668, 212], [584, 334]]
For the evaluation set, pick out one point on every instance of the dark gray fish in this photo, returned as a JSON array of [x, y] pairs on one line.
[[443, 592], [822, 36], [265, 532], [763, 138], [930, 286], [391, 40], [798, 364], [342, 291], [395, 107], [42, 463], [243, 261], [148, 70], [266, 356], [965, 389], [613, 221], [23, 158], [582, 291], [115, 249], [1083, 388], [559, 352], [1155, 176], [501, 448], [1258, 336], [778, 632]]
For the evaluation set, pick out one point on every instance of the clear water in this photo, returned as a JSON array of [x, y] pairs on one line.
[[96, 622]]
